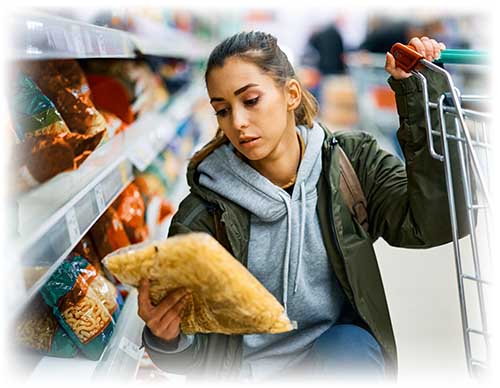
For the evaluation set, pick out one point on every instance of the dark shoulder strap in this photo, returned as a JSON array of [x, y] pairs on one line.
[[351, 190]]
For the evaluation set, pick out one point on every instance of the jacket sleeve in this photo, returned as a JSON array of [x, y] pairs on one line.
[[185, 356], [408, 203]]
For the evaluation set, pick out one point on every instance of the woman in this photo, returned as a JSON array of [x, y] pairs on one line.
[[267, 188]]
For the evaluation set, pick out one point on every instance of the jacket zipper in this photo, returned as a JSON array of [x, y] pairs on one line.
[[332, 145]]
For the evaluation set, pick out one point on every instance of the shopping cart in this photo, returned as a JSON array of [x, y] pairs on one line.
[[468, 135]]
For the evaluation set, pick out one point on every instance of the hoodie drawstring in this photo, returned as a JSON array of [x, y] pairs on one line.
[[302, 221], [286, 265], [302, 232]]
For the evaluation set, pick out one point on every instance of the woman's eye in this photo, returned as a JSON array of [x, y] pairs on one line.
[[252, 101], [221, 113]]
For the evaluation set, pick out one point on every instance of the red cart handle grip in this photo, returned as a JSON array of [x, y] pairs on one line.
[[406, 58]]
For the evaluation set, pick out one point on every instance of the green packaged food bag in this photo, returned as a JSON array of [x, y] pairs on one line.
[[79, 309], [33, 113]]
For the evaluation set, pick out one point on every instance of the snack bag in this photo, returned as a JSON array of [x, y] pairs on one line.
[[64, 83], [108, 233], [130, 209], [79, 307], [33, 113]]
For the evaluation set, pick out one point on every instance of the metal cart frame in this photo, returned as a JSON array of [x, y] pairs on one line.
[[474, 171]]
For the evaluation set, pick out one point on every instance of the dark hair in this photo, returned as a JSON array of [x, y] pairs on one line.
[[262, 50]]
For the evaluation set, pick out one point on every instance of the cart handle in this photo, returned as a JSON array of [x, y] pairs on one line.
[[407, 58]]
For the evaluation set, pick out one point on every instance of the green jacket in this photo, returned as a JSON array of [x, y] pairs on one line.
[[407, 206]]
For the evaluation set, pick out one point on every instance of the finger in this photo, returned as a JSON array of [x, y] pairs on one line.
[[429, 49], [436, 49], [417, 45], [442, 46], [175, 313], [169, 301], [144, 300], [390, 62]]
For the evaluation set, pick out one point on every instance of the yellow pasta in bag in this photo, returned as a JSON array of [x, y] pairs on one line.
[[226, 298]]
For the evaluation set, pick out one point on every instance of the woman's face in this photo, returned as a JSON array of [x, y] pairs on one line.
[[252, 111]]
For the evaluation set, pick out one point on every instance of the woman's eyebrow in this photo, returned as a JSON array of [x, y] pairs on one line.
[[236, 92]]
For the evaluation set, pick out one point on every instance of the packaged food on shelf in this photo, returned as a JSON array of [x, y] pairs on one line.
[[108, 233], [111, 95], [43, 145], [87, 249], [37, 329], [64, 82], [33, 113], [225, 297], [153, 193], [131, 212], [79, 309], [108, 295], [45, 156], [145, 88]]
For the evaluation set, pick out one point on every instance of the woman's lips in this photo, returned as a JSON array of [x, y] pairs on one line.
[[250, 143]]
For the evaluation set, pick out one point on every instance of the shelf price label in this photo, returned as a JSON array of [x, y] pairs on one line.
[[72, 226], [131, 349], [99, 198]]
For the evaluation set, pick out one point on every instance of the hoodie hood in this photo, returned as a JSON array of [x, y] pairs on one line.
[[227, 175]]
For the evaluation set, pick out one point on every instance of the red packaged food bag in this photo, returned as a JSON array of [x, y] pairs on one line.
[[110, 95], [108, 233], [131, 211]]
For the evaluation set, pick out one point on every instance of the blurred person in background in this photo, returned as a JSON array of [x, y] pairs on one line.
[[383, 33], [267, 188], [323, 73]]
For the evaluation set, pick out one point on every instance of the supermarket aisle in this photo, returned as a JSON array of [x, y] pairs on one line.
[[107, 170]]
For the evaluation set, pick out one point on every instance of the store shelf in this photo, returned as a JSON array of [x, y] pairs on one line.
[[173, 44], [120, 359], [51, 225], [36, 35], [53, 217]]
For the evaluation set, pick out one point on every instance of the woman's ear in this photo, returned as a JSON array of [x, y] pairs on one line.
[[293, 92]]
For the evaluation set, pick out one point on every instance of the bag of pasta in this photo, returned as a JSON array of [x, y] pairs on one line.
[[225, 297], [37, 329], [80, 308]]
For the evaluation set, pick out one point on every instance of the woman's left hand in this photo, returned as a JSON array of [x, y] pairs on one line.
[[429, 48]]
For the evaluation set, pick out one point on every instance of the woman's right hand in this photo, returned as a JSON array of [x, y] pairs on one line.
[[164, 319]]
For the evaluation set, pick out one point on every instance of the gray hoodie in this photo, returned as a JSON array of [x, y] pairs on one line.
[[286, 252]]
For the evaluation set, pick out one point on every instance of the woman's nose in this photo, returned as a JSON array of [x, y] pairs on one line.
[[240, 119]]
